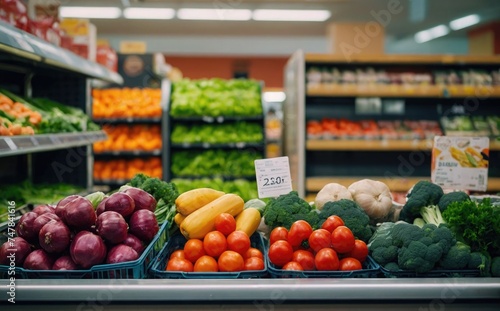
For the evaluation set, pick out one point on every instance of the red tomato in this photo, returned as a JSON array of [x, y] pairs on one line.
[[254, 263], [225, 223], [349, 264], [193, 249], [326, 260], [206, 264], [359, 251], [177, 254], [280, 252], [342, 239], [293, 265], [305, 259], [278, 233], [319, 239], [254, 252], [238, 241], [214, 243], [230, 261], [332, 222], [299, 232], [179, 264]]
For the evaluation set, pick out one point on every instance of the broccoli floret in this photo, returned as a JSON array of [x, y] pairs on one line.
[[457, 257], [419, 257], [383, 255], [443, 237], [426, 240], [455, 196], [432, 215], [354, 217], [481, 261], [495, 267], [286, 209], [424, 193], [403, 234], [392, 266]]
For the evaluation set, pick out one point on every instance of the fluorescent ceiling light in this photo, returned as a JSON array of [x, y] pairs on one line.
[[292, 15], [464, 22], [90, 12], [274, 97], [432, 33], [215, 14], [148, 13]]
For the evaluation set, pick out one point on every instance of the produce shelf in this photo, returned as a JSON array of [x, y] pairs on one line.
[[402, 59], [14, 145], [130, 120], [37, 52], [129, 153], [240, 145], [374, 91], [219, 119], [369, 145], [401, 184]]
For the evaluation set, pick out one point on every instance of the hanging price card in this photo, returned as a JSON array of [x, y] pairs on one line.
[[273, 177]]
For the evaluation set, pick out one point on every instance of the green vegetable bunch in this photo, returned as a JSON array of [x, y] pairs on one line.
[[284, 210], [218, 133]]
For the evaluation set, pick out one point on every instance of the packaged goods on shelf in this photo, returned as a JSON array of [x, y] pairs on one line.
[[15, 13], [84, 36], [130, 138], [121, 170], [126, 103], [470, 125]]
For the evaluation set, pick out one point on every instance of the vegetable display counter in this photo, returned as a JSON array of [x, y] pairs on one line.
[[260, 294]]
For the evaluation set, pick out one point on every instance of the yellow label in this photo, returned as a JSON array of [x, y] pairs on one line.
[[75, 26], [132, 47]]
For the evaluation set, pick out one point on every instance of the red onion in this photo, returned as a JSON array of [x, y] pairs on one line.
[[15, 250], [142, 199], [43, 219], [112, 227], [143, 225], [60, 207], [80, 214], [120, 202], [121, 253], [135, 243], [44, 208], [54, 237], [101, 207], [64, 263], [87, 249], [38, 260], [25, 229]]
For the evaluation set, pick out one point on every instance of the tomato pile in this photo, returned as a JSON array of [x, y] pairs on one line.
[[222, 250], [330, 248]]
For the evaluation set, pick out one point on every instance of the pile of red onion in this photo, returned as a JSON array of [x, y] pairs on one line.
[[73, 235]]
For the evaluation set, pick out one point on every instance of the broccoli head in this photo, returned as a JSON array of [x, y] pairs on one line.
[[419, 257], [455, 196], [457, 257], [481, 261], [392, 266], [284, 210], [443, 237], [352, 214], [424, 193], [403, 234]]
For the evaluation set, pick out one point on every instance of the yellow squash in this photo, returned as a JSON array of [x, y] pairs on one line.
[[200, 222], [191, 200], [248, 220], [178, 219]]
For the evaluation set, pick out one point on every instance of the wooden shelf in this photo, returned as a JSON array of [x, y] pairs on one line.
[[403, 184], [402, 59], [432, 91], [376, 145]]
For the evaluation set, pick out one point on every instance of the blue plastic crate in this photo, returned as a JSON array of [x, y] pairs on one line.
[[370, 270], [437, 273], [177, 242], [136, 269]]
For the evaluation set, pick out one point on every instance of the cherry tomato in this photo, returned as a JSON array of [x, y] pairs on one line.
[[326, 260], [179, 264], [254, 263], [349, 264], [319, 239], [206, 264], [193, 249], [214, 243], [230, 261], [225, 223], [299, 232], [254, 252], [278, 233], [305, 259], [359, 251], [280, 252], [342, 239], [177, 254], [238, 241], [293, 265], [332, 222]]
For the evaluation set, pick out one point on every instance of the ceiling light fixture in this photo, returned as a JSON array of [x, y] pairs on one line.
[[431, 33], [215, 14], [292, 15], [90, 12], [464, 22], [148, 13]]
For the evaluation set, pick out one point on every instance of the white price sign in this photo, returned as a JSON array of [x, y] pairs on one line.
[[273, 177]]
